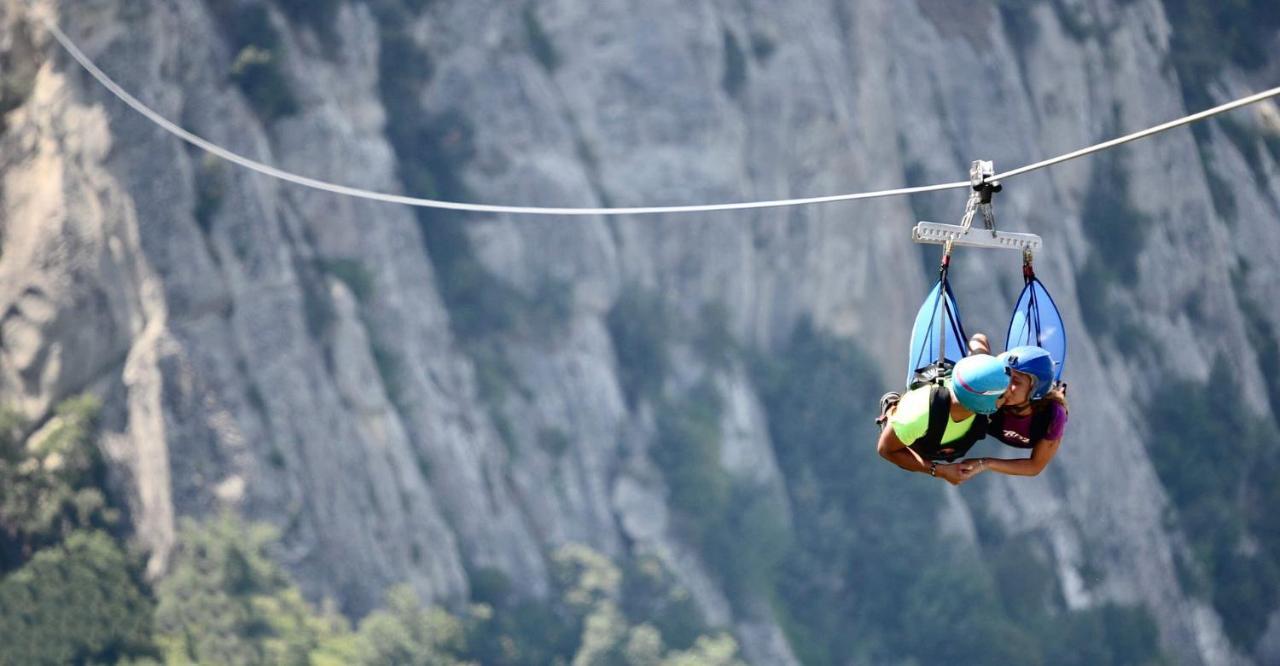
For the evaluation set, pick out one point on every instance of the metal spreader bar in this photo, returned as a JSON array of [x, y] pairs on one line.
[[981, 177], [940, 234]]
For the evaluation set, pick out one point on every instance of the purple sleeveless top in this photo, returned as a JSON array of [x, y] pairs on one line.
[[1016, 430]]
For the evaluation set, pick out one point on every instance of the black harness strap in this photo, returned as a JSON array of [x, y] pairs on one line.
[[929, 446]]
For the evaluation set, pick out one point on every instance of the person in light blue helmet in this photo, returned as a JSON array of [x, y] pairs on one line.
[[1033, 413], [934, 425]]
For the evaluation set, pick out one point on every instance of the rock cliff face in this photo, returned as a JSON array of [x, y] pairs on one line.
[[318, 361]]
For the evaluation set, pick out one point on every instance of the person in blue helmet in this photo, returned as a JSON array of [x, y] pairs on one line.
[[1033, 413], [932, 426]]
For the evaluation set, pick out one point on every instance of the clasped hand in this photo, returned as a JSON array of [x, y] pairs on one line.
[[958, 473]]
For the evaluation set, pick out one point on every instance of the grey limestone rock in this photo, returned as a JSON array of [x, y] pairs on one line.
[[292, 354]]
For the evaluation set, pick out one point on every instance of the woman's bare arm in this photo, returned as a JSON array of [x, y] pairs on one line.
[[1041, 454], [892, 449]]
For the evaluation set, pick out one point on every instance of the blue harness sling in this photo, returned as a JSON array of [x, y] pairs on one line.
[[1036, 320], [938, 336]]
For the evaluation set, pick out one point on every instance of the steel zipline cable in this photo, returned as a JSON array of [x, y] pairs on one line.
[[345, 190]]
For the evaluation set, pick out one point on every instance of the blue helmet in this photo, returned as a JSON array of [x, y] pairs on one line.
[[1034, 361], [978, 381]]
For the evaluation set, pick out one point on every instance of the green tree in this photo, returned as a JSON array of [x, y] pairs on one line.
[[75, 602], [70, 593], [226, 602], [590, 581], [409, 633], [50, 483]]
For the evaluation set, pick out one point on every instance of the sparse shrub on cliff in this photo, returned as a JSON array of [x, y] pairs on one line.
[[255, 66]]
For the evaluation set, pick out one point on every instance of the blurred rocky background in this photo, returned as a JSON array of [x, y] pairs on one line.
[[246, 422]]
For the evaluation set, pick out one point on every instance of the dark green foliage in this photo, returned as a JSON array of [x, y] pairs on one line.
[[69, 593], [76, 602], [524, 632], [687, 449], [737, 527], [482, 307], [19, 63], [409, 633], [489, 586], [735, 66], [479, 303], [639, 325], [594, 610], [1109, 635], [255, 67], [539, 43], [747, 542], [225, 601], [1213, 457], [1023, 575], [520, 631], [649, 593], [52, 486], [257, 72]]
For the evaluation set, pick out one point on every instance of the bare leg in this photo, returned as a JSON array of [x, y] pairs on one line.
[[888, 405], [978, 344]]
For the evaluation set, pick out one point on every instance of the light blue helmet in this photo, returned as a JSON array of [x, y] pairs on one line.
[[1034, 361], [978, 381]]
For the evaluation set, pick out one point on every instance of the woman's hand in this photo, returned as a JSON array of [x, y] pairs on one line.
[[972, 467], [1059, 393]]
